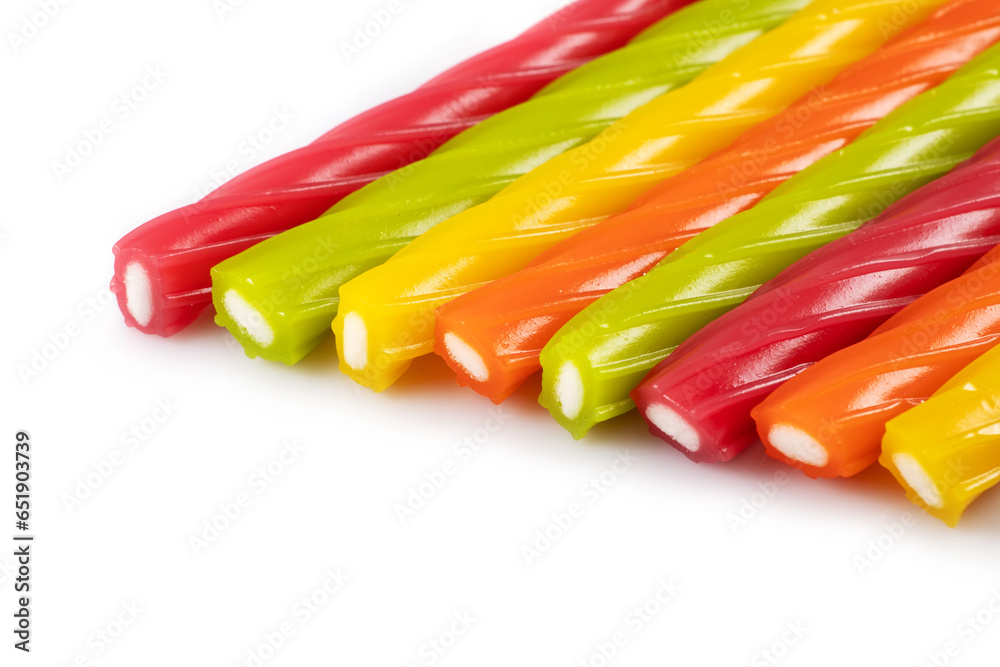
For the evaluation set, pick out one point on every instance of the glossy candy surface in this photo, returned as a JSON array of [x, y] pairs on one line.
[[830, 299], [647, 318], [386, 315], [279, 297], [492, 336]]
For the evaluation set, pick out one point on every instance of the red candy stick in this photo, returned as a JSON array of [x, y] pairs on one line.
[[162, 268], [832, 298]]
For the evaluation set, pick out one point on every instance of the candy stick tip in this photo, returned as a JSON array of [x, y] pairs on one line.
[[138, 294], [798, 445], [248, 318], [674, 426], [568, 389], [918, 479], [465, 356], [354, 339]]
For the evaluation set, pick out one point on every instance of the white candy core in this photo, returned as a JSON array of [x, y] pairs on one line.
[[675, 426], [463, 355], [569, 390], [138, 293], [248, 318], [798, 445], [354, 341], [918, 479]]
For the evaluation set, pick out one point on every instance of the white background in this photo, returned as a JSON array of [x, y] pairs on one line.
[[807, 555]]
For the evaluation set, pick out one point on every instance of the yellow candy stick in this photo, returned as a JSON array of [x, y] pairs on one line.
[[386, 315], [946, 451]]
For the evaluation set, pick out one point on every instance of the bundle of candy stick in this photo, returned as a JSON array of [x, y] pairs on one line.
[[751, 219]]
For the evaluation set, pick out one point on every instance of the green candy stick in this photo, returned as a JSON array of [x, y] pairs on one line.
[[595, 360], [279, 297]]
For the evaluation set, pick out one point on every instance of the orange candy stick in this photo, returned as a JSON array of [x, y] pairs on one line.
[[492, 336], [830, 419]]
